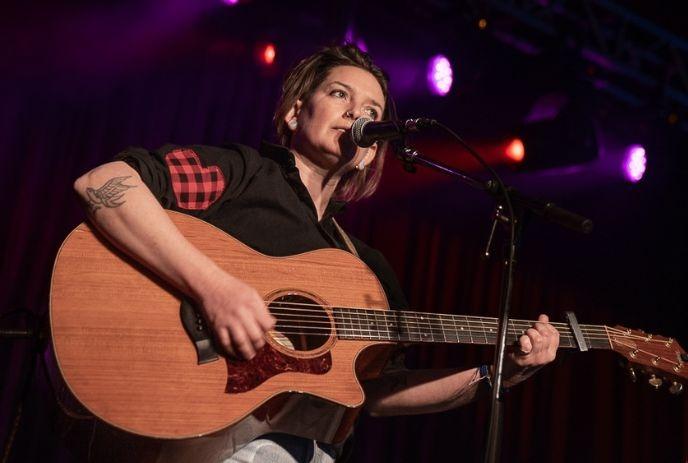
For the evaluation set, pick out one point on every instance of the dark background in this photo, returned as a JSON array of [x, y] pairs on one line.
[[83, 80]]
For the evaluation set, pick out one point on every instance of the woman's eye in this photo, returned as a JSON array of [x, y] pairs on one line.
[[372, 113], [338, 93]]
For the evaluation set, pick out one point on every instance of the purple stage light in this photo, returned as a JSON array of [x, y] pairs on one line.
[[440, 75], [635, 163], [230, 2], [350, 36]]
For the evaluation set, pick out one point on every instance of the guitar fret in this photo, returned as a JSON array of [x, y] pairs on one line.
[[372, 325], [357, 324], [466, 331], [567, 340], [444, 333], [385, 325], [377, 324], [407, 326], [512, 338], [482, 325], [366, 328], [453, 329], [350, 324], [412, 327], [424, 328], [435, 323], [352, 332], [338, 322], [463, 331], [427, 329]]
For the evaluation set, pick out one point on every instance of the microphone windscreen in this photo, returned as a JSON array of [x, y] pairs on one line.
[[357, 132]]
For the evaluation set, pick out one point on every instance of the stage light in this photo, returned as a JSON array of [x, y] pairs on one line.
[[515, 150], [268, 54], [230, 2], [350, 36], [635, 163], [440, 75]]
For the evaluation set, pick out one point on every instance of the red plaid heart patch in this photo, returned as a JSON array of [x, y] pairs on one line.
[[195, 187]]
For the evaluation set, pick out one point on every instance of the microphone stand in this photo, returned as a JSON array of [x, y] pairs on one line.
[[548, 211]]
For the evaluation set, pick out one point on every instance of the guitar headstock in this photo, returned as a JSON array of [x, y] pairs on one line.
[[662, 359]]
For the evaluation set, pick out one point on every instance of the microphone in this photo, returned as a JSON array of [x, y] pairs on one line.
[[365, 131]]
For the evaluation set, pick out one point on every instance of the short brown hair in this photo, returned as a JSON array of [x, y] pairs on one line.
[[304, 79]]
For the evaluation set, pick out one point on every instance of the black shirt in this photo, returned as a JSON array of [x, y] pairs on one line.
[[256, 197]]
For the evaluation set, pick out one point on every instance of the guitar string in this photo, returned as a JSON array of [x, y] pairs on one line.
[[491, 321], [390, 321], [319, 309], [651, 354], [429, 321], [466, 332], [375, 338], [422, 315], [426, 340], [481, 320], [326, 321], [465, 338], [399, 338], [470, 332], [317, 331]]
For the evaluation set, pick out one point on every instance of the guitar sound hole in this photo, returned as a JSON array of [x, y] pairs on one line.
[[302, 324]]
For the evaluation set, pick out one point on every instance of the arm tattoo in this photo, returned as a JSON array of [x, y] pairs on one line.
[[108, 195]]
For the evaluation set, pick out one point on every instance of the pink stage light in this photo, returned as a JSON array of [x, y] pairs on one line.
[[635, 163], [269, 53], [440, 75], [230, 2]]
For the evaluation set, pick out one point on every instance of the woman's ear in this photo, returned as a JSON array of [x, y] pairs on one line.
[[292, 115], [370, 155]]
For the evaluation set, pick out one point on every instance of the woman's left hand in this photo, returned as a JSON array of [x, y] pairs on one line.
[[536, 348]]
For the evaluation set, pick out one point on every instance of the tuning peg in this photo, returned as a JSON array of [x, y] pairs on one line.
[[632, 375], [655, 382], [676, 388]]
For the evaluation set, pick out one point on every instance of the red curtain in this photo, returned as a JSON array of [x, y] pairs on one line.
[[582, 408]]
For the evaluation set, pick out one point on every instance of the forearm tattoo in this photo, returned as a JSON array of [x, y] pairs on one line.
[[108, 195]]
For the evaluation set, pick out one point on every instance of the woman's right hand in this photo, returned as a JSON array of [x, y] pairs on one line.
[[236, 315]]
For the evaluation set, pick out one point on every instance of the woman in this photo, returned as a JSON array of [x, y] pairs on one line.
[[280, 202]]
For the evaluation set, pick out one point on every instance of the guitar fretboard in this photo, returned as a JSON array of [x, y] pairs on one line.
[[407, 326]]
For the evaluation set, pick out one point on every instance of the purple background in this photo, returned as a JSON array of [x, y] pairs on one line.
[[81, 81]]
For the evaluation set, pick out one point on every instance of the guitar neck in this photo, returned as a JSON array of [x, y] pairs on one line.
[[421, 327]]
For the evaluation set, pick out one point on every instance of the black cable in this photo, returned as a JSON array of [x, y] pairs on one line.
[[496, 412]]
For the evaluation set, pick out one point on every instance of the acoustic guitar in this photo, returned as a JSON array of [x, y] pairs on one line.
[[137, 354]]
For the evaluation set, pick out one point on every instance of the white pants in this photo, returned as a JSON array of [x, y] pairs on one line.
[[283, 448]]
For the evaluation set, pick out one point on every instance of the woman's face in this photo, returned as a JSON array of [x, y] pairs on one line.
[[324, 120]]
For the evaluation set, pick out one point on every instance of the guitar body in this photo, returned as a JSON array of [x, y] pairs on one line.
[[125, 355]]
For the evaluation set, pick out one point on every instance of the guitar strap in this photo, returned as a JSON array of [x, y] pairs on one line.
[[346, 239]]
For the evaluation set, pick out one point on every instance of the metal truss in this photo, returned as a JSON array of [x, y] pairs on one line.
[[627, 57]]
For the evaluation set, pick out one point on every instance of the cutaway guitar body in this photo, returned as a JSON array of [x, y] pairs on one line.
[[136, 355], [122, 349]]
